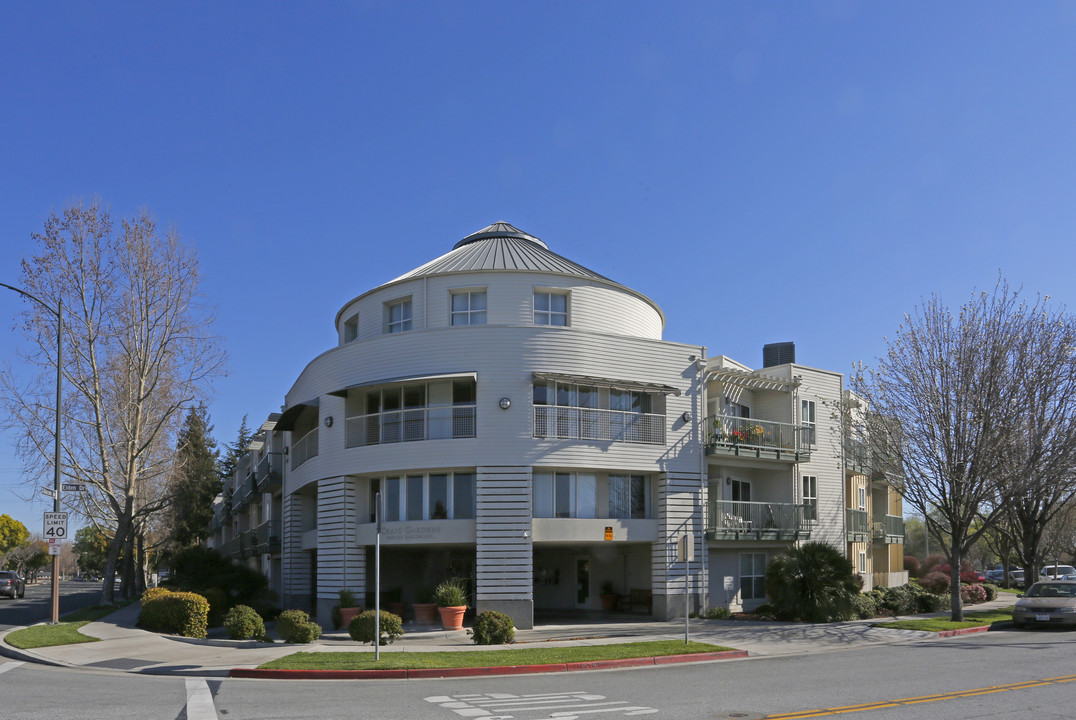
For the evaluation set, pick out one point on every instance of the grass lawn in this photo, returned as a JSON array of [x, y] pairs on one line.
[[971, 619], [484, 658], [63, 633]]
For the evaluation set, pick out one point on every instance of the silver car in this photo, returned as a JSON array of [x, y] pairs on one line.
[[11, 584], [1048, 602]]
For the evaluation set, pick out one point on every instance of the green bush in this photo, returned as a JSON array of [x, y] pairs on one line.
[[865, 607], [900, 600], [361, 628], [813, 582], [218, 606], [717, 613], [765, 610], [196, 568], [153, 592], [176, 613], [927, 603], [972, 594], [295, 626], [450, 593], [493, 628], [244, 623], [991, 591]]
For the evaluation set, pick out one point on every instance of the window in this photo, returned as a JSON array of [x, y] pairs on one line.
[[565, 495], [752, 576], [810, 497], [469, 307], [862, 562], [550, 308], [862, 493], [398, 316], [584, 412], [629, 497], [437, 496], [807, 420], [741, 491], [435, 410], [351, 329]]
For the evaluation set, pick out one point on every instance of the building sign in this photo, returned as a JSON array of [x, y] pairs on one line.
[[608, 532]]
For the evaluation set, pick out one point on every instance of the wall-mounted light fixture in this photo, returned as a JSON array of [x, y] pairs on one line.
[[285, 450], [328, 421], [686, 417], [728, 481], [505, 403], [526, 534]]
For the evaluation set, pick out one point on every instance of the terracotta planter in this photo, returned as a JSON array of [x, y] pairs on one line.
[[609, 601], [347, 615], [425, 613], [452, 617], [397, 609]]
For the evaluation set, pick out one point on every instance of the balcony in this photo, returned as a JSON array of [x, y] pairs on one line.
[[229, 548], [304, 448], [857, 524], [760, 439], [243, 492], [267, 473], [433, 423], [734, 520], [890, 531], [260, 541], [857, 457], [575, 423]]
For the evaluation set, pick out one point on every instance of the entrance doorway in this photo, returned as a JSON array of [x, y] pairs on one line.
[[582, 581]]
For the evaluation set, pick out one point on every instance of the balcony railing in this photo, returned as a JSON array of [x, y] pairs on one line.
[[260, 541], [433, 423], [857, 524], [574, 423], [750, 437], [857, 456], [267, 473], [890, 530], [304, 449], [243, 492], [735, 520]]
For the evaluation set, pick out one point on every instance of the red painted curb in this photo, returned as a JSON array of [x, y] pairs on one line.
[[963, 631], [480, 671]]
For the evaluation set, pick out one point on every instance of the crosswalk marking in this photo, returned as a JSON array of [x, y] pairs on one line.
[[565, 706], [199, 700], [10, 666]]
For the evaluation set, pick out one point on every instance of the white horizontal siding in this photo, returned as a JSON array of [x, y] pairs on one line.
[[503, 529]]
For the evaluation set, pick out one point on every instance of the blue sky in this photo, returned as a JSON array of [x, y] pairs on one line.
[[764, 171]]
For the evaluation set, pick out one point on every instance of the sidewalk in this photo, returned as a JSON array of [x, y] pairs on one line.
[[123, 647]]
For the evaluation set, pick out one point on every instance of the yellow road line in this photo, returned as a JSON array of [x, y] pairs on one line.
[[955, 695]]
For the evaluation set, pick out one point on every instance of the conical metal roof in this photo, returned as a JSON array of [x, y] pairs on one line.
[[501, 246]]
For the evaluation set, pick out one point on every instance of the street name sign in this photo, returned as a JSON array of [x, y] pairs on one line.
[[73, 487]]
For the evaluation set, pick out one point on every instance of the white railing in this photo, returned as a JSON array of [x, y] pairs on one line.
[[573, 423], [435, 423], [733, 517], [304, 449]]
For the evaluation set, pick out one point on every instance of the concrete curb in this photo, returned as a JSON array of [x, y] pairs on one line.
[[10, 651], [963, 631], [404, 674]]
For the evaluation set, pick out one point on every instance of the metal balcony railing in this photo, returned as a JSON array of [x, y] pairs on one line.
[[857, 524], [889, 530], [739, 435], [243, 492], [857, 456], [304, 448], [434, 423], [267, 473], [574, 423], [735, 520]]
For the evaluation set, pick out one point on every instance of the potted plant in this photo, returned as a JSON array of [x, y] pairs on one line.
[[425, 609], [609, 597], [451, 599], [345, 610]]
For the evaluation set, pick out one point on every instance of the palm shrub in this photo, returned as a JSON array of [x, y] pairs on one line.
[[361, 628], [493, 628], [813, 582], [450, 593], [244, 623]]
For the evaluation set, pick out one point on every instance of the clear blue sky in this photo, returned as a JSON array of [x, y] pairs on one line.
[[764, 171]]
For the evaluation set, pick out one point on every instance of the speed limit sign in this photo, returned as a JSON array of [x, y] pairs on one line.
[[55, 526]]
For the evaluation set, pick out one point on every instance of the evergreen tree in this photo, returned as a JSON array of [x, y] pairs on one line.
[[196, 481], [234, 451]]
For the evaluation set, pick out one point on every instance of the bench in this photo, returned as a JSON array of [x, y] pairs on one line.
[[642, 599]]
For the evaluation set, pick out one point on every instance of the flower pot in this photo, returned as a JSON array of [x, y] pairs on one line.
[[609, 601], [452, 617], [425, 613], [347, 615], [397, 609]]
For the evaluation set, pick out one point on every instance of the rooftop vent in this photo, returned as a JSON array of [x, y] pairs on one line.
[[778, 354]]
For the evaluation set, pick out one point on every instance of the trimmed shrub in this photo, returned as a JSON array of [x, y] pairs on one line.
[[911, 564], [813, 582], [935, 582], [900, 600], [295, 626], [244, 623], [361, 628], [153, 592], [493, 628], [991, 591], [218, 605], [972, 594], [927, 603], [865, 606], [717, 613], [176, 613]]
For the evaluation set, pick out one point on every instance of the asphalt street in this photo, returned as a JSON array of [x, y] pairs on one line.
[[36, 606]]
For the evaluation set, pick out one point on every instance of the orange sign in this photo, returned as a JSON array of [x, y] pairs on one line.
[[608, 532]]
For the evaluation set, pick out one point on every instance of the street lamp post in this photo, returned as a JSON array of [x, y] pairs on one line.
[[58, 312]]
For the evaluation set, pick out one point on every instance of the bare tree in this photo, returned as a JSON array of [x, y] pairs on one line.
[[138, 350], [945, 400]]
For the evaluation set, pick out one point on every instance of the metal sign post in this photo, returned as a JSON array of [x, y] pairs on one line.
[[378, 514]]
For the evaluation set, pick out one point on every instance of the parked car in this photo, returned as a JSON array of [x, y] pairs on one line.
[[1016, 576], [1056, 572], [1047, 602], [11, 584], [995, 576]]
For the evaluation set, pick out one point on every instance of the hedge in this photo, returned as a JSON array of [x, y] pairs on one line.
[[176, 613]]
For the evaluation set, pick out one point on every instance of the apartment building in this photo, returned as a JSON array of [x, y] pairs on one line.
[[530, 431]]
